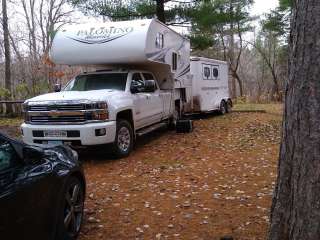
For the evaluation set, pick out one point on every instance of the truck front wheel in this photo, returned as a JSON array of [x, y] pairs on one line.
[[123, 143]]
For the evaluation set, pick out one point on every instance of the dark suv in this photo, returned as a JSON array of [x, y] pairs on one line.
[[42, 192]]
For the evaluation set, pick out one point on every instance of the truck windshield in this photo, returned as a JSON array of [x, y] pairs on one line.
[[116, 81]]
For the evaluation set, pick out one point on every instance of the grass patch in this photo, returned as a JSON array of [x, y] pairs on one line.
[[275, 108], [10, 121]]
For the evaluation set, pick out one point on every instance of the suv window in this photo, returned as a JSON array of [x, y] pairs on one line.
[[8, 156]]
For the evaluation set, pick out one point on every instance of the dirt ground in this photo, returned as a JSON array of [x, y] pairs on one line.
[[214, 182]]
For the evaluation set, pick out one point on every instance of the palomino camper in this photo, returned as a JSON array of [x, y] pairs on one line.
[[141, 83], [140, 44]]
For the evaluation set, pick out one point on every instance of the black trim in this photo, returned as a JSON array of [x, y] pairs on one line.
[[70, 134], [185, 71]]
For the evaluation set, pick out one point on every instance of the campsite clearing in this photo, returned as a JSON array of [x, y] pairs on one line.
[[213, 182]]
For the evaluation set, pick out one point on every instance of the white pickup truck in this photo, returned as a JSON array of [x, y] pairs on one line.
[[99, 108], [114, 106]]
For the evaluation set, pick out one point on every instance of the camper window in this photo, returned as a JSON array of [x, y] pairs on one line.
[[160, 40], [116, 81], [174, 61]]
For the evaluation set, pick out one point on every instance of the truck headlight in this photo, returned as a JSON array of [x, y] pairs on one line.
[[25, 107], [25, 112], [101, 111], [100, 115]]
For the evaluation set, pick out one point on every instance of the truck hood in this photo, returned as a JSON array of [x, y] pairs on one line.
[[95, 95]]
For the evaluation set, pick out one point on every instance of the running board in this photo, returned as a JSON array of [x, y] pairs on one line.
[[151, 128]]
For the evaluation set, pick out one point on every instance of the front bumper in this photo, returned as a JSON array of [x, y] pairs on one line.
[[87, 133]]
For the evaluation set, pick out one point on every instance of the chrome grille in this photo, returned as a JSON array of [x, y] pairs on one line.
[[66, 112], [58, 119], [64, 107]]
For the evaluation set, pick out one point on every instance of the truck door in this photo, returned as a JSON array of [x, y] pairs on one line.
[[155, 101], [140, 100]]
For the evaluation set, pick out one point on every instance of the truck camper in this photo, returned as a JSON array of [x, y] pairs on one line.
[[141, 83]]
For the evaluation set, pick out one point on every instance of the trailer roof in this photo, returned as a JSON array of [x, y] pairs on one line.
[[193, 58]]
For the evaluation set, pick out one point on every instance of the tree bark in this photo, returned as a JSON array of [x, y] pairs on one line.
[[160, 11], [295, 211], [7, 55], [239, 81]]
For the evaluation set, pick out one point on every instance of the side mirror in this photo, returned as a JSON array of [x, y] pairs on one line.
[[57, 87], [149, 85], [134, 89], [32, 154]]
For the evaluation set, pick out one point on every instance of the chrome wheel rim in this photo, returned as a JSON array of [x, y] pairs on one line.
[[73, 211], [223, 108], [124, 139], [175, 117]]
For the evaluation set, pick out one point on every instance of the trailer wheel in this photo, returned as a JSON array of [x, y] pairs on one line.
[[123, 143], [229, 106], [223, 107]]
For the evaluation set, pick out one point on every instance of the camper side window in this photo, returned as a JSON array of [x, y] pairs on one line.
[[174, 61], [160, 40]]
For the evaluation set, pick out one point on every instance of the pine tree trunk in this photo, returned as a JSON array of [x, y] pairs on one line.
[[295, 212], [7, 81], [160, 11]]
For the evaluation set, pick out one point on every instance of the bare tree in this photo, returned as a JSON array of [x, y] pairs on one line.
[[7, 54], [42, 18]]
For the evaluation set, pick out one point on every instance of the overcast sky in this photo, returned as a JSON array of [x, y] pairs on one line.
[[259, 8], [263, 6]]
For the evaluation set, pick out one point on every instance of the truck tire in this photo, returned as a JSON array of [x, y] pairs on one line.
[[175, 118], [123, 143], [223, 107]]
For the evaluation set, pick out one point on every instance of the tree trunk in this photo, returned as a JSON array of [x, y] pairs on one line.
[[295, 211], [236, 76], [231, 52], [160, 11], [276, 96], [6, 54]]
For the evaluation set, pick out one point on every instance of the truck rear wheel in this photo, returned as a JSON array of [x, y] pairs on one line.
[[175, 118], [123, 143]]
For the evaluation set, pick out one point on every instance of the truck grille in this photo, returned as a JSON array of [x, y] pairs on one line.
[[65, 107], [58, 119], [67, 112]]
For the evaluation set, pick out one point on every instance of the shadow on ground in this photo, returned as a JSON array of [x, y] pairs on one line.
[[104, 153]]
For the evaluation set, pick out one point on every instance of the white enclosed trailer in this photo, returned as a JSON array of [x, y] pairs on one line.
[[210, 87]]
